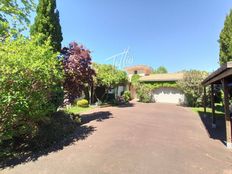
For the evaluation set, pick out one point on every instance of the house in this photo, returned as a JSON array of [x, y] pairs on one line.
[[166, 88], [166, 91], [141, 70]]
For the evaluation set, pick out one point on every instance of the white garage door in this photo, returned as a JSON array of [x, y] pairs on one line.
[[168, 95]]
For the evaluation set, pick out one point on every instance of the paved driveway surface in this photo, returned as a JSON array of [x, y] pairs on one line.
[[142, 139]]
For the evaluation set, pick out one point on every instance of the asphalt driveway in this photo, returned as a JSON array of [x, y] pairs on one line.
[[140, 139]]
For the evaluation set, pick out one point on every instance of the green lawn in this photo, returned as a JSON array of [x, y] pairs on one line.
[[219, 111], [79, 110]]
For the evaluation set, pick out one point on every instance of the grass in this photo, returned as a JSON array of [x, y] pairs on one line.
[[219, 110], [79, 110]]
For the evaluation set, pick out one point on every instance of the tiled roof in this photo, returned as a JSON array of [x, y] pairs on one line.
[[138, 67], [162, 77]]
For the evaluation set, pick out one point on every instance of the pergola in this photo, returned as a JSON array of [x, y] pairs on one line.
[[222, 76]]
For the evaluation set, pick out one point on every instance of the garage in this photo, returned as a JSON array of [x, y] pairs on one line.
[[167, 91], [168, 95]]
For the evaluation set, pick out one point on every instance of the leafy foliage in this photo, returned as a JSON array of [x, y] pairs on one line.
[[47, 22], [14, 13], [160, 70], [157, 85], [60, 126], [191, 86], [83, 103], [30, 76], [78, 70], [144, 93], [135, 80], [226, 40], [127, 96], [50, 136], [109, 76]]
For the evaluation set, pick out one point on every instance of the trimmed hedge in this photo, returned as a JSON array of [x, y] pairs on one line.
[[83, 103]]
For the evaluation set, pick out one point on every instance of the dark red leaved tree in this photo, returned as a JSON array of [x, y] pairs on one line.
[[78, 71]]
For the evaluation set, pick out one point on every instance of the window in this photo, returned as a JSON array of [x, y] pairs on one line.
[[136, 72]]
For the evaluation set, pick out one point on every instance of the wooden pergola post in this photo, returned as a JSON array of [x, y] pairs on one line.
[[227, 114], [213, 106], [204, 102]]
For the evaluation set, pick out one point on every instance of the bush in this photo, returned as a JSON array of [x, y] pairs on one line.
[[144, 93], [30, 79], [135, 80], [127, 96], [191, 86], [60, 125], [52, 133], [83, 103]]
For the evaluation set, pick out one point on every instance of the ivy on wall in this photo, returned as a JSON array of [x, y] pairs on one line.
[[144, 90], [157, 85]]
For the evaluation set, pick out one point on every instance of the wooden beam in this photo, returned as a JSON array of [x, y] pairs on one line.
[[227, 113], [224, 74], [224, 67], [213, 106], [204, 102]]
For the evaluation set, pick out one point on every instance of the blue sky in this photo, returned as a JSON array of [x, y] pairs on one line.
[[180, 34]]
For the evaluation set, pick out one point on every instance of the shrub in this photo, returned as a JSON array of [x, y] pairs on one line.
[[191, 86], [127, 96], [144, 93], [83, 103], [30, 79], [61, 125], [135, 80]]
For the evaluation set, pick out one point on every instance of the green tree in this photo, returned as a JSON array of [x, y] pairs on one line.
[[109, 76], [30, 77], [226, 40], [14, 14], [191, 86], [47, 22], [160, 70]]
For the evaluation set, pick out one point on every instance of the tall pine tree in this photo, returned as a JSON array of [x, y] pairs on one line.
[[47, 22], [226, 40]]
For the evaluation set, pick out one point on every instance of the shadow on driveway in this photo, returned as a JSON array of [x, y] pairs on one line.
[[218, 133], [126, 105], [25, 151], [98, 116]]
